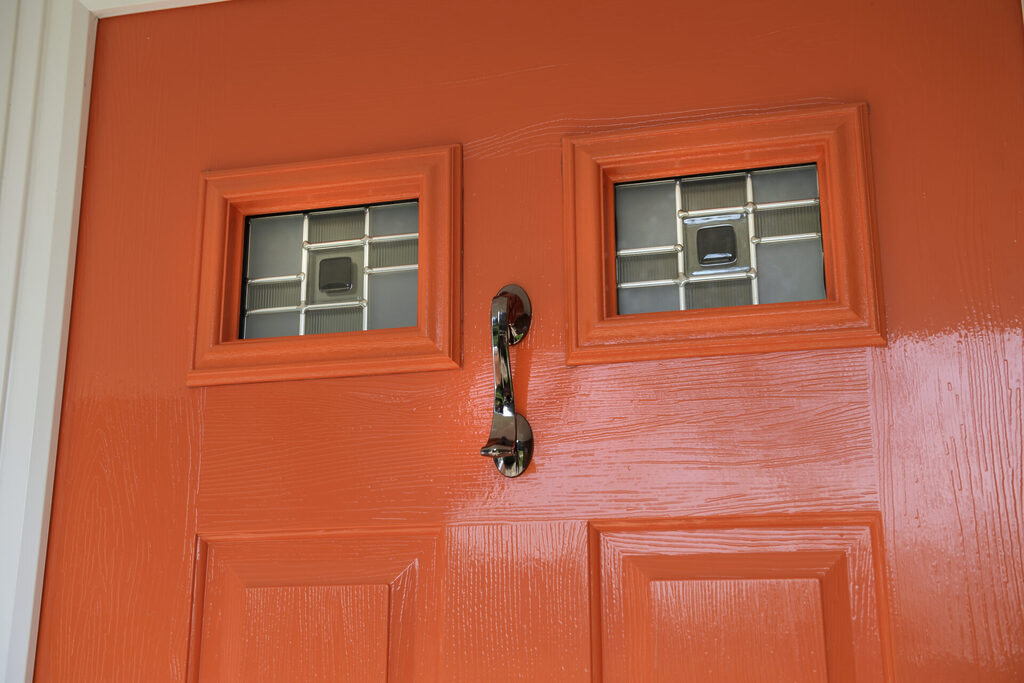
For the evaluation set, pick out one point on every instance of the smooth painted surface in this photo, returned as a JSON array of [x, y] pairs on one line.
[[915, 448]]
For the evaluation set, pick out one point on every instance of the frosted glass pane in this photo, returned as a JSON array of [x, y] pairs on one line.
[[334, 226], [275, 246], [784, 184], [394, 219], [714, 192], [271, 325], [790, 271], [648, 299], [645, 215], [392, 300], [719, 294]]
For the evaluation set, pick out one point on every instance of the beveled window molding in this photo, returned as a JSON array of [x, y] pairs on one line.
[[835, 138], [432, 176]]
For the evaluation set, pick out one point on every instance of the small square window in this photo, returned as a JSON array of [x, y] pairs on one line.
[[339, 270], [712, 241]]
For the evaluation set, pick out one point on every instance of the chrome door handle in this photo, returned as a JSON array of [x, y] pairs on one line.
[[511, 440]]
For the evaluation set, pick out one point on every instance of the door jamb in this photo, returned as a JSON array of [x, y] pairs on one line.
[[45, 78]]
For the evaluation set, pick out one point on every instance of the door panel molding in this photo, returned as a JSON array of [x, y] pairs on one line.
[[374, 593], [433, 176], [833, 137], [814, 585]]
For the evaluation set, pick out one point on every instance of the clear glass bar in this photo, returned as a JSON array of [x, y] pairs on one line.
[[718, 294], [323, 321], [335, 226]]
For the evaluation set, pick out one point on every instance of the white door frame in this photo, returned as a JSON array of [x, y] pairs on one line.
[[46, 49]]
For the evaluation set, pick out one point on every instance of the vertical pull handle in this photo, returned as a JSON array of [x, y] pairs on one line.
[[511, 439]]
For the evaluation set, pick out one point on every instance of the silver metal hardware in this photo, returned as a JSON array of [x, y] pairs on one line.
[[510, 443]]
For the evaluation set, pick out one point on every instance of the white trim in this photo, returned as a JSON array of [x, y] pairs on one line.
[[46, 49], [113, 8]]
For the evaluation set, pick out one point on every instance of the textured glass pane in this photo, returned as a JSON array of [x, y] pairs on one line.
[[272, 295], [794, 221], [321, 321], [790, 271], [320, 290], [647, 267], [645, 215], [260, 325], [392, 300], [394, 253], [394, 219], [275, 246], [648, 299], [714, 192], [334, 226], [785, 184], [718, 294]]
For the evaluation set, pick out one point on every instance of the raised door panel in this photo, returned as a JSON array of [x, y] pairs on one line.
[[797, 600], [356, 607], [754, 630]]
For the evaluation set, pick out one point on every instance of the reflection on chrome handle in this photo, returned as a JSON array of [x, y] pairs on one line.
[[511, 439]]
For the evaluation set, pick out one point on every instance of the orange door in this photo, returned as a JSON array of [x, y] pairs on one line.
[[818, 515]]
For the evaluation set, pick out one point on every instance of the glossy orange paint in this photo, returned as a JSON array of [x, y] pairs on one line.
[[431, 176], [862, 507], [833, 138]]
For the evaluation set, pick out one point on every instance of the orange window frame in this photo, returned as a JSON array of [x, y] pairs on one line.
[[835, 138], [430, 176]]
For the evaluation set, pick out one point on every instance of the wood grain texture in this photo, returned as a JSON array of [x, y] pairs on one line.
[[832, 623], [925, 434], [952, 463], [350, 607], [516, 603], [316, 633], [763, 630]]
